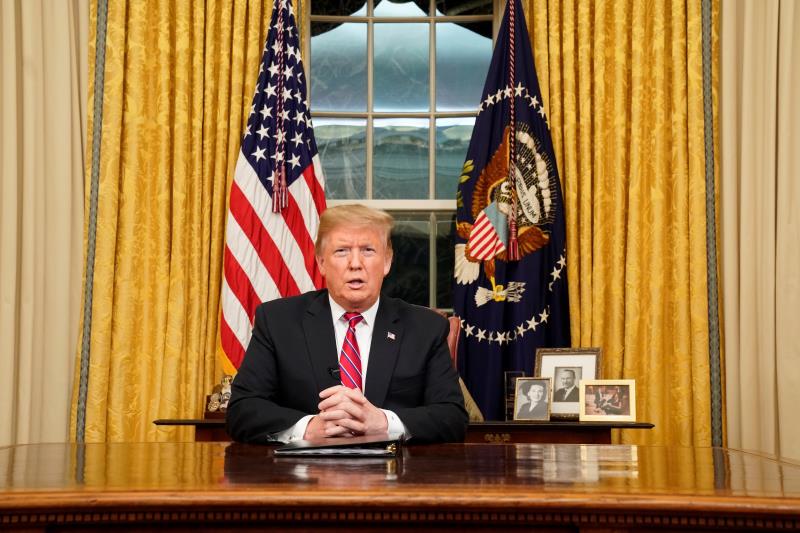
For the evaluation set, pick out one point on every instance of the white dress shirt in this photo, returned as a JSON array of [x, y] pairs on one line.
[[364, 330]]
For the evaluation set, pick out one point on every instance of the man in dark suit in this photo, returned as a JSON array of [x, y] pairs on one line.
[[306, 365], [568, 391]]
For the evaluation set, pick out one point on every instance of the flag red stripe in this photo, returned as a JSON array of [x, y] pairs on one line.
[[296, 224], [240, 285], [230, 344], [270, 256], [317, 192]]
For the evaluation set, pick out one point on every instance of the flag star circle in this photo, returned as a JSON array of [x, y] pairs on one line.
[[262, 132], [265, 111], [295, 160]]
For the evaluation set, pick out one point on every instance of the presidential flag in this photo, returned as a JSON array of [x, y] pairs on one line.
[[277, 195], [510, 286]]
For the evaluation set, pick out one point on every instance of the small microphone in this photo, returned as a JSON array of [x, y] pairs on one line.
[[335, 373]]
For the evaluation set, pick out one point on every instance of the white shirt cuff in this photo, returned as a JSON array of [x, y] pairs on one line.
[[295, 432], [396, 426]]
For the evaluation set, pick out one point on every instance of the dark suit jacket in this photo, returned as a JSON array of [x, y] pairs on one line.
[[559, 395], [293, 348]]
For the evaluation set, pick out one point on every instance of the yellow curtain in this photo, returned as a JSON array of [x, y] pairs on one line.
[[177, 83], [623, 84]]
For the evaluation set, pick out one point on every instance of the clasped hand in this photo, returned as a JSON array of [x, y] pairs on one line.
[[345, 412]]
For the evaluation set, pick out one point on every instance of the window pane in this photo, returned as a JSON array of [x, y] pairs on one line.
[[462, 61], [409, 278], [452, 8], [401, 67], [400, 158], [452, 141], [339, 7], [445, 226], [389, 8], [338, 66], [341, 144]]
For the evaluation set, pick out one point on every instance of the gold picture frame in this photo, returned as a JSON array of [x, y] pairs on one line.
[[608, 400], [567, 367]]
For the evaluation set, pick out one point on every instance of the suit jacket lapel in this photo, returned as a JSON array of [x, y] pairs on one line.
[[321, 340], [386, 338]]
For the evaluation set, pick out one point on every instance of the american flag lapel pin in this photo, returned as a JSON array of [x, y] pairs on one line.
[[390, 335]]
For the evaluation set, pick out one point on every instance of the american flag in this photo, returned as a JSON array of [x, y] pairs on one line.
[[277, 195]]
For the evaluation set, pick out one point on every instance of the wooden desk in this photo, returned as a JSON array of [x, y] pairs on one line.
[[211, 430], [221, 486]]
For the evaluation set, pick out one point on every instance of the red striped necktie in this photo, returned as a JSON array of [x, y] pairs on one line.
[[350, 357]]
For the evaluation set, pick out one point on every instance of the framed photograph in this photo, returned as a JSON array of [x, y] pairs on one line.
[[608, 400], [567, 367], [532, 399]]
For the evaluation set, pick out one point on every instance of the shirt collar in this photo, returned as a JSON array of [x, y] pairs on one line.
[[369, 315]]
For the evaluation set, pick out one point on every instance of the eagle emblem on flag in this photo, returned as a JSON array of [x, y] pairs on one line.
[[487, 239]]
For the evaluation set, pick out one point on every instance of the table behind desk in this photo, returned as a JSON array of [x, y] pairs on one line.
[[227, 486], [211, 430]]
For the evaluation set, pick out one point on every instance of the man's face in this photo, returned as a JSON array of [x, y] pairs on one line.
[[567, 379], [354, 261], [536, 393]]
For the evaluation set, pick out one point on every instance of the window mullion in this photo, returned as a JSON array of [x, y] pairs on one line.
[[434, 230], [432, 110], [370, 100]]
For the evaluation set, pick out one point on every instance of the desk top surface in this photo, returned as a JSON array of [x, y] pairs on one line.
[[529, 475]]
